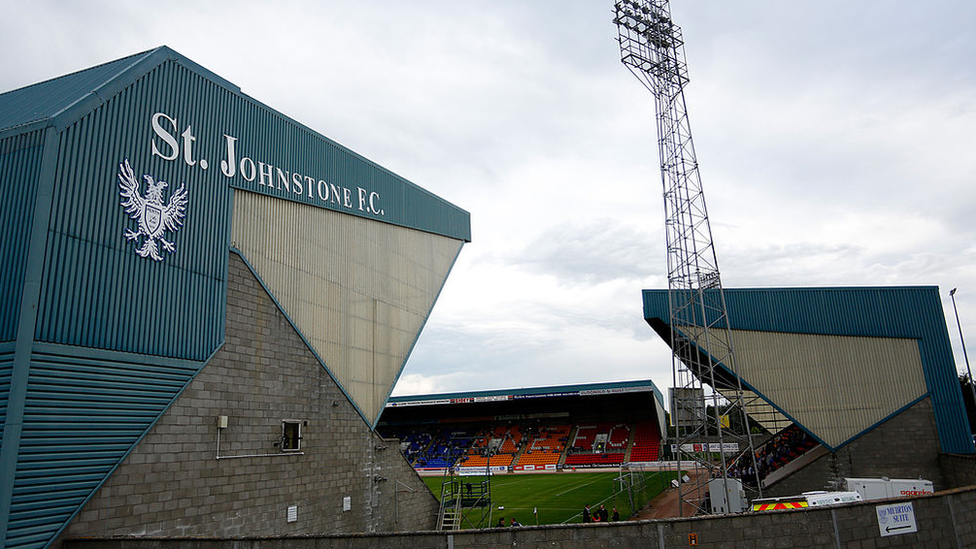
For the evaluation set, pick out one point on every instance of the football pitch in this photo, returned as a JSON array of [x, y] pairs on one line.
[[558, 498]]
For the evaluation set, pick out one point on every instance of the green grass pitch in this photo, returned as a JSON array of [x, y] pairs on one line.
[[559, 497]]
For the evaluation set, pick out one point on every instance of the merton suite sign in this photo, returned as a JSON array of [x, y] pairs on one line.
[[173, 142]]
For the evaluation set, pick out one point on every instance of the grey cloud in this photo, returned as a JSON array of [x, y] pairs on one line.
[[806, 115], [591, 252]]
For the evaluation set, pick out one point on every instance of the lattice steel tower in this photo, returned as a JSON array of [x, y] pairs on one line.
[[707, 401]]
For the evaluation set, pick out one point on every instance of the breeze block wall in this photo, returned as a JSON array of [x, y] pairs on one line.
[[943, 521], [172, 483], [958, 470], [905, 446]]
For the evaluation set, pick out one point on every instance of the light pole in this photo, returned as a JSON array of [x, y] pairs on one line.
[[972, 387]]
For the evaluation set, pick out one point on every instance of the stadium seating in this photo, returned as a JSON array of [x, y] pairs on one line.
[[619, 437], [647, 442], [543, 448], [499, 460], [550, 439], [512, 440], [609, 458], [531, 446], [601, 444], [539, 458], [585, 436], [784, 447], [434, 449]]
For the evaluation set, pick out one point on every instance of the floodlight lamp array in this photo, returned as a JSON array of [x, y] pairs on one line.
[[648, 22], [650, 44]]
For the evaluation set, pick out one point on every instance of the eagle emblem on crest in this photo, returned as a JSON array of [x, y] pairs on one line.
[[152, 215]]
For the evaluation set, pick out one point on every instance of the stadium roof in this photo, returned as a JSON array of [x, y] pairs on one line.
[[81, 90], [839, 361], [499, 395]]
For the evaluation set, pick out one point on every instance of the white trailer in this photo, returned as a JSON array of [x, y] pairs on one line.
[[881, 488]]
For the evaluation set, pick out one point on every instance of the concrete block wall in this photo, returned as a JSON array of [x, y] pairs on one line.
[[172, 483], [958, 470], [944, 521], [905, 446]]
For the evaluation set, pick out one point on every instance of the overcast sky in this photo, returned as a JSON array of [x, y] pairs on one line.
[[835, 138]]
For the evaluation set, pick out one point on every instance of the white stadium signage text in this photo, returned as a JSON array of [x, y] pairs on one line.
[[171, 144]]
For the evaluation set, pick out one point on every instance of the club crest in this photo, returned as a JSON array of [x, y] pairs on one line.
[[153, 218]]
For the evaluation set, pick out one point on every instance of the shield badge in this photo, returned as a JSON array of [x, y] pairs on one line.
[[152, 217]]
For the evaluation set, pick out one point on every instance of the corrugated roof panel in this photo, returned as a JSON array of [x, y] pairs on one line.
[[20, 161], [85, 410], [46, 99], [6, 368]]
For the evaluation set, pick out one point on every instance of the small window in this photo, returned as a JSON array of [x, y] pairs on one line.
[[291, 435]]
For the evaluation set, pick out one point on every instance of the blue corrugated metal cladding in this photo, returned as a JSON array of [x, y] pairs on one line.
[[172, 306], [6, 366], [20, 160], [116, 335], [904, 312], [115, 284]]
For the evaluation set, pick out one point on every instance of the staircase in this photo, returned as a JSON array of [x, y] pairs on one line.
[[450, 519], [569, 443], [630, 444], [761, 412], [450, 512], [464, 502], [522, 450]]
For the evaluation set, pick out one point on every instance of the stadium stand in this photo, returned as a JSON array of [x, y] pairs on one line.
[[531, 446], [528, 429], [787, 445]]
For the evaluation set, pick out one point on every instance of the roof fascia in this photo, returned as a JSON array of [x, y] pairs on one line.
[[25, 128]]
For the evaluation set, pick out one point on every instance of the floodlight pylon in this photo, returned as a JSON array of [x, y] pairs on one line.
[[706, 398]]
